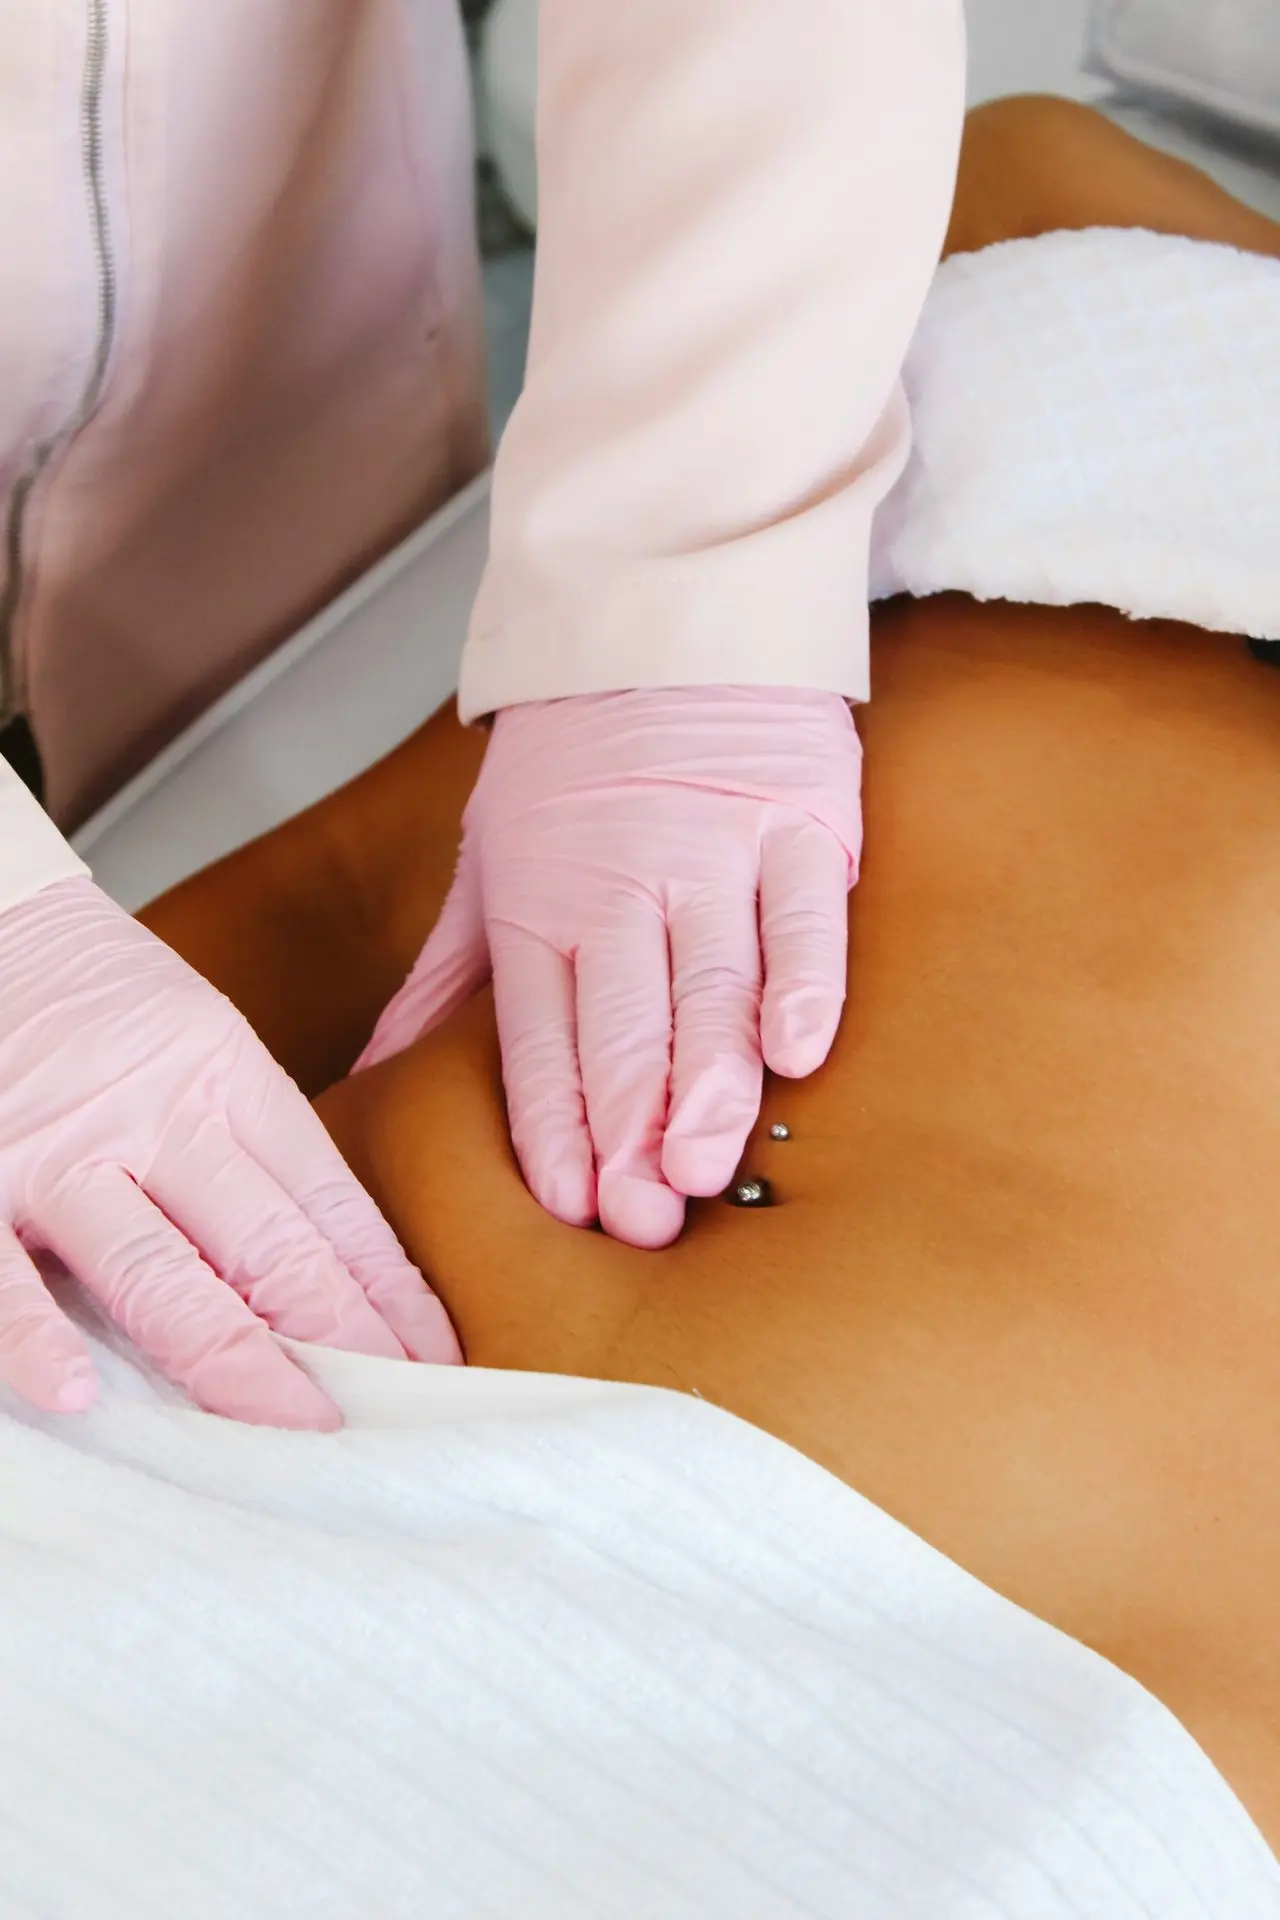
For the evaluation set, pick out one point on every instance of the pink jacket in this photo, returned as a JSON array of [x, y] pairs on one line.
[[243, 306], [240, 349]]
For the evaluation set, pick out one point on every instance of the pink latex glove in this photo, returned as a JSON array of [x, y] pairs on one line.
[[148, 1140], [658, 882]]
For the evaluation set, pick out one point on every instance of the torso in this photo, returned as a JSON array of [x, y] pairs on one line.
[[1022, 1286]]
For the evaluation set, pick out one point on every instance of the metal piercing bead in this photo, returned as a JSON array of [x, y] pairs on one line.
[[750, 1193], [779, 1132]]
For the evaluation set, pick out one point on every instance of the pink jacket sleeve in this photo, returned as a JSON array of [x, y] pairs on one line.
[[742, 204]]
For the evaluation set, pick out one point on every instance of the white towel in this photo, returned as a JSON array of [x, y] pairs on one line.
[[1097, 418], [546, 1650]]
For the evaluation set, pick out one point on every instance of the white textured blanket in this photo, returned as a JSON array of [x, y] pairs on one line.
[[539, 1649], [1097, 418]]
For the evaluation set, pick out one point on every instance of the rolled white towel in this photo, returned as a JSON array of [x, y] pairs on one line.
[[1097, 419]]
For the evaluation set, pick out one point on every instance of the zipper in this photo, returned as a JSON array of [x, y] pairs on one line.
[[91, 160]]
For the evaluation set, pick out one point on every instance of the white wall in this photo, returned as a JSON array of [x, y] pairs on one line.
[[1026, 46]]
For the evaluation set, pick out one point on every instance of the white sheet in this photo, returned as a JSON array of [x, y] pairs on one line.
[[515, 1646]]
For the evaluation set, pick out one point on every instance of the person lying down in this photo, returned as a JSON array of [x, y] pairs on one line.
[[1006, 1269]]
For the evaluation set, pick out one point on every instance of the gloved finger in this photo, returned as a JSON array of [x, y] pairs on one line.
[[624, 1048], [280, 1131], [165, 1299], [453, 964], [254, 1236], [804, 929], [716, 1071], [534, 996], [42, 1356]]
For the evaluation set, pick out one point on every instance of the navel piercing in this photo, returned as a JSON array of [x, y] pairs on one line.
[[750, 1193], [778, 1131]]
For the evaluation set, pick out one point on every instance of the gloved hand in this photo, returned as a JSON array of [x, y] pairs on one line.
[[143, 1126], [658, 881]]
